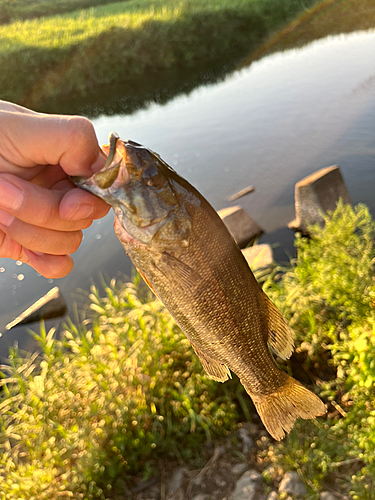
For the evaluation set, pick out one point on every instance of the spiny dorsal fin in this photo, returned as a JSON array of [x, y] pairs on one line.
[[279, 410], [279, 335], [216, 370]]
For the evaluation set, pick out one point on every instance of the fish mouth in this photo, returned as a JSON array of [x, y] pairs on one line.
[[111, 172]]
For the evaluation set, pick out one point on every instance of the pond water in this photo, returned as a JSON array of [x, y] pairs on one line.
[[266, 125]]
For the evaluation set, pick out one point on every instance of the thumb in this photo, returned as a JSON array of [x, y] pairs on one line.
[[39, 139]]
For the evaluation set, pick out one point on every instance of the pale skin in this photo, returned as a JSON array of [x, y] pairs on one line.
[[42, 213]]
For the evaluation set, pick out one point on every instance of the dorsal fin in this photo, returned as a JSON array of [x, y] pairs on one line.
[[279, 335], [216, 370]]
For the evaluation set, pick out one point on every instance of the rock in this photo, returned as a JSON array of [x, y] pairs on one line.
[[248, 486], [247, 442], [239, 469], [259, 256], [176, 480], [318, 193], [291, 483], [51, 305], [240, 225], [273, 496], [220, 482], [201, 496], [326, 495]]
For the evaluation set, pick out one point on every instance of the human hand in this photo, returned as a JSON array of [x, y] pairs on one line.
[[42, 213]]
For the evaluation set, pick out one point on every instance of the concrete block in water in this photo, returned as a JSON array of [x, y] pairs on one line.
[[51, 305], [240, 225], [241, 193], [259, 256], [315, 194]]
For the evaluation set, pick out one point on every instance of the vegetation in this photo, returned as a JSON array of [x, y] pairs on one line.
[[329, 299], [10, 10], [124, 390], [128, 42], [326, 18], [106, 403]]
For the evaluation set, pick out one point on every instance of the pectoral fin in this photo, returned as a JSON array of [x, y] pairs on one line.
[[145, 279], [279, 335], [216, 370], [183, 274]]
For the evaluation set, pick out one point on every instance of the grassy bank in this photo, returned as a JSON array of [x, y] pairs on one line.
[[329, 299], [124, 391], [329, 17], [11, 10], [73, 54]]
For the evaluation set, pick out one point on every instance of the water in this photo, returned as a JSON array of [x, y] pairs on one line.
[[266, 125]]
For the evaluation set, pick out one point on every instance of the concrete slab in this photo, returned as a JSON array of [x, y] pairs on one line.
[[316, 194], [241, 226], [51, 305], [259, 256]]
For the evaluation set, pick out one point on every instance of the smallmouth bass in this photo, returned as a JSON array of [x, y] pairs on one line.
[[184, 252]]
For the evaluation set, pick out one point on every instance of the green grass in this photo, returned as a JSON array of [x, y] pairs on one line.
[[111, 400], [123, 390], [11, 10], [326, 18], [329, 298], [75, 53]]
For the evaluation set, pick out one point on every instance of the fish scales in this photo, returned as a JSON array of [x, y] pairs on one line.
[[186, 255]]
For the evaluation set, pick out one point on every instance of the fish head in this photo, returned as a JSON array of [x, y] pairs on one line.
[[138, 185]]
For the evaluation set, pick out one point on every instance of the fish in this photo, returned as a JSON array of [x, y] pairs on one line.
[[188, 258]]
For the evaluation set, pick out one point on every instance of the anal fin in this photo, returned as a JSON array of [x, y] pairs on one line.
[[216, 370], [279, 335]]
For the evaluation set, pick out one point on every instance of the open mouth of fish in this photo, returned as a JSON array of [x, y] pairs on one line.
[[132, 182], [111, 175]]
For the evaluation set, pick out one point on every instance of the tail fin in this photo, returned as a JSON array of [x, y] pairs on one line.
[[280, 409]]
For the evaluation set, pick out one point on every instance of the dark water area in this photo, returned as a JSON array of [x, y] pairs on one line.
[[267, 125]]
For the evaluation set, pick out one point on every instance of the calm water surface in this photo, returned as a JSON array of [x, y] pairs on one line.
[[267, 125]]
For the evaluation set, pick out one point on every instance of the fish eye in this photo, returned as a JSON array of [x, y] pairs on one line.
[[151, 176]]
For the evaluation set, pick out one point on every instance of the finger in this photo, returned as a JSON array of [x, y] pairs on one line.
[[39, 239], [49, 177], [15, 108], [77, 203], [68, 141], [35, 205], [49, 266]]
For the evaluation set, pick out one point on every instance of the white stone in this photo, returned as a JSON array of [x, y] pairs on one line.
[[291, 483], [247, 487], [239, 469], [247, 442], [201, 496], [176, 480], [326, 495], [273, 496], [259, 256]]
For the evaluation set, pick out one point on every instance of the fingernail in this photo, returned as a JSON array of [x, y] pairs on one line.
[[11, 197], [82, 212], [5, 218]]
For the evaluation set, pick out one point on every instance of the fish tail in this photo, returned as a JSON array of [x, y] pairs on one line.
[[279, 410]]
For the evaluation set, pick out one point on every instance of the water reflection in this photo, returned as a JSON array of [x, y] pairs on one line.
[[267, 125]]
